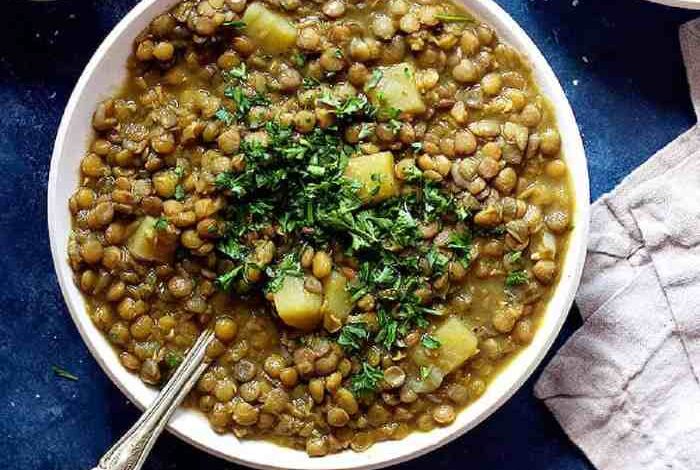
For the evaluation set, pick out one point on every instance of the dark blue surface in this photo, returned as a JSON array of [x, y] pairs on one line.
[[618, 60]]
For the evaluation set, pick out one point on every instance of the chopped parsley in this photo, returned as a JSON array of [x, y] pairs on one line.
[[374, 79], [244, 102], [514, 256], [298, 59], [239, 73], [353, 336], [63, 373], [161, 223], [366, 381], [173, 359], [424, 372], [461, 245], [309, 82], [289, 266], [225, 116], [454, 18], [516, 278], [351, 107], [437, 261], [430, 342], [237, 24], [226, 280], [179, 193]]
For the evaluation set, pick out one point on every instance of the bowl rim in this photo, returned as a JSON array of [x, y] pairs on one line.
[[687, 4], [186, 424]]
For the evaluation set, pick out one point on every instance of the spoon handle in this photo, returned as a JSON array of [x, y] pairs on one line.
[[131, 450]]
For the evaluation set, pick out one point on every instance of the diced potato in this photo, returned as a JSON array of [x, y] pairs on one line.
[[376, 174], [296, 306], [397, 89], [457, 344], [144, 243], [429, 383], [269, 29], [336, 302]]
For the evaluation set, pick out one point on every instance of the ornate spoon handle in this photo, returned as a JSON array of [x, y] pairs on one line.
[[130, 452]]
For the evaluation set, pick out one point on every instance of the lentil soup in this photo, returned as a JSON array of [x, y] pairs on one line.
[[365, 200]]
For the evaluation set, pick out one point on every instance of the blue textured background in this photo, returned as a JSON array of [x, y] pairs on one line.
[[618, 60]]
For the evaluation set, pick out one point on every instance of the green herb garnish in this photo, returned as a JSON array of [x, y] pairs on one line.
[[237, 24], [366, 381], [173, 359], [514, 256], [63, 373], [179, 193], [374, 79], [244, 102], [354, 106], [461, 244], [516, 278], [299, 59], [239, 72], [161, 223], [310, 82], [225, 116], [289, 266], [353, 336], [430, 342], [454, 18]]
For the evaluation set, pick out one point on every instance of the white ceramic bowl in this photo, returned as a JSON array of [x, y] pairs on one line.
[[106, 72], [689, 4]]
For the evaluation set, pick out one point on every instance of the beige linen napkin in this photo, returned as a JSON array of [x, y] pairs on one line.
[[626, 386]]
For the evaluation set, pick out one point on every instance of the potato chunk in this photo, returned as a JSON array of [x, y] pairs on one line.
[[397, 89], [270, 30], [457, 344], [296, 306], [145, 244], [336, 303], [376, 174]]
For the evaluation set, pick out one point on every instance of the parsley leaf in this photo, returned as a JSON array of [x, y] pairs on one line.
[[298, 59], [352, 336], [234, 24], [454, 18], [514, 256], [374, 79], [350, 107], [437, 261], [180, 193], [161, 223], [225, 281], [239, 72], [173, 359], [289, 266], [515, 278], [430, 342], [234, 250], [244, 103], [424, 372], [366, 381], [310, 82], [225, 116], [63, 373], [461, 244]]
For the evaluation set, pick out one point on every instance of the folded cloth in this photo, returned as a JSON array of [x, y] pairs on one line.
[[626, 386]]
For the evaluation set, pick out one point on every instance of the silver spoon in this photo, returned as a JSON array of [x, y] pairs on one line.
[[130, 452]]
